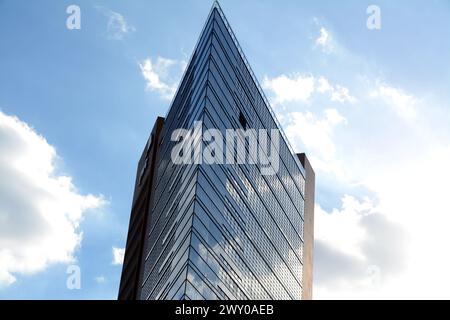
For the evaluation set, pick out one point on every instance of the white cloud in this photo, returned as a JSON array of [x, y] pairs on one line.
[[416, 195], [375, 247], [325, 41], [375, 250], [341, 94], [117, 26], [159, 76], [183, 64], [323, 85], [316, 133], [301, 88], [357, 249], [337, 93], [290, 89], [40, 210], [329, 226], [118, 255], [404, 104]]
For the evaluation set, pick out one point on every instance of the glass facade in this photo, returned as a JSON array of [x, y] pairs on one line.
[[223, 231]]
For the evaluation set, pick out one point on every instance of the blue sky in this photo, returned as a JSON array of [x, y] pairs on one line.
[[369, 106]]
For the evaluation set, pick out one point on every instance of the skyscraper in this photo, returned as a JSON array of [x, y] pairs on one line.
[[228, 229]]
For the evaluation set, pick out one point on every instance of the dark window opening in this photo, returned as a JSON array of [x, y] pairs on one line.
[[242, 120]]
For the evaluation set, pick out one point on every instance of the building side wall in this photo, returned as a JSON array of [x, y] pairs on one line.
[[309, 228], [142, 199]]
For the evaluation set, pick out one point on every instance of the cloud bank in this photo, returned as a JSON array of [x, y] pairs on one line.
[[40, 209]]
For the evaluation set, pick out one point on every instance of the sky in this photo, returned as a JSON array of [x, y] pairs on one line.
[[370, 107]]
